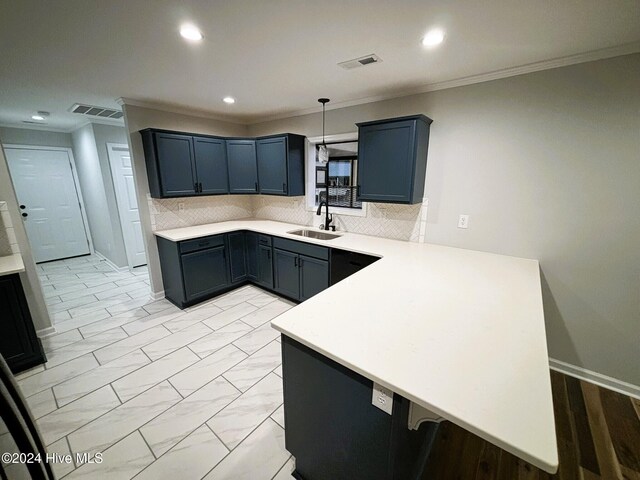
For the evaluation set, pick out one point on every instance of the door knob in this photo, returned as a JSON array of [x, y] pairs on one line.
[[22, 207], [25, 214]]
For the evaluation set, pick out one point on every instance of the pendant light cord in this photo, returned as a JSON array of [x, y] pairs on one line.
[[324, 102]]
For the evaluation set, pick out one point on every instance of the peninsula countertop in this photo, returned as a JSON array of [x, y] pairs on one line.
[[11, 264], [458, 332]]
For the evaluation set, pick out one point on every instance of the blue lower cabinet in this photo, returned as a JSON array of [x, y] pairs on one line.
[[251, 245], [204, 272], [237, 256], [286, 273], [314, 276], [265, 266]]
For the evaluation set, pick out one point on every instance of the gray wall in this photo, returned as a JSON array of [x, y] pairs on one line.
[[27, 136], [104, 134], [92, 182], [139, 118], [547, 165], [30, 280]]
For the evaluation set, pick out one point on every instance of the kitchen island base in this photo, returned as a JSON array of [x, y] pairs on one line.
[[333, 430]]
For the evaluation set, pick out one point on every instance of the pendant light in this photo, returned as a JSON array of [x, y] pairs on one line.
[[323, 153]]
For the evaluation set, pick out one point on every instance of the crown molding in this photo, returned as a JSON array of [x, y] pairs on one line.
[[590, 56], [179, 110], [26, 126]]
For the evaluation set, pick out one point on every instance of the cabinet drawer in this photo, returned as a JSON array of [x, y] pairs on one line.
[[302, 248], [200, 243], [264, 240]]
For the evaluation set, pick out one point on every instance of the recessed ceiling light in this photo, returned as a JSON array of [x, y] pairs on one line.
[[40, 115], [433, 37], [37, 117], [191, 32], [229, 100]]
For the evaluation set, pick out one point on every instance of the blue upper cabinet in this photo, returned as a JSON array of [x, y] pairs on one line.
[[392, 159], [281, 165], [243, 166], [211, 165], [170, 164], [186, 165]]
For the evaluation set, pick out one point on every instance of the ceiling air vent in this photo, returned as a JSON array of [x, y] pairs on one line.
[[96, 111], [361, 62]]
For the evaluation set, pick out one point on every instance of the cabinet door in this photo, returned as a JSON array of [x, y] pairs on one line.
[[286, 273], [385, 161], [237, 256], [243, 168], [251, 244], [176, 164], [204, 272], [314, 276], [265, 266], [272, 165], [211, 165], [17, 342]]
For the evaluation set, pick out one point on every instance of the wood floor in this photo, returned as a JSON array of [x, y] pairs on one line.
[[598, 434]]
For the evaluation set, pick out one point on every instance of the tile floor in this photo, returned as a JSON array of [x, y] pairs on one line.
[[163, 393]]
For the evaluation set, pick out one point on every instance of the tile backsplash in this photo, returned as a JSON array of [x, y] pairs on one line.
[[8, 241], [402, 222]]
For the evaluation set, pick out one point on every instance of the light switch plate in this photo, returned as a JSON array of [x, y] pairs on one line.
[[382, 398]]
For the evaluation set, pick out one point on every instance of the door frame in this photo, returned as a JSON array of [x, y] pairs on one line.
[[119, 201], [76, 181]]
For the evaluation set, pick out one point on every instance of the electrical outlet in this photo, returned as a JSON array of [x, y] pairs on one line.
[[463, 221], [181, 206], [382, 398]]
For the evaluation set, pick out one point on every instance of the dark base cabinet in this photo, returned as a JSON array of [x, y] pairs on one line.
[[333, 430], [194, 270], [19, 345]]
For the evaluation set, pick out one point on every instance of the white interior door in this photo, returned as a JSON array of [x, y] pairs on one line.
[[50, 205], [125, 188]]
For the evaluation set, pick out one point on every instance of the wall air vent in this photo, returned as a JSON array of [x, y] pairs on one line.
[[361, 62], [96, 111]]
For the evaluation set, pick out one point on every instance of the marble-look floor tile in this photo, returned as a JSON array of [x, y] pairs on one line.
[[42, 403], [226, 317], [81, 321], [59, 317], [239, 418], [28, 373], [127, 303], [160, 306], [72, 304], [52, 376], [143, 292], [218, 339], [262, 299], [278, 416], [61, 448], [79, 386], [192, 458], [258, 338], [234, 298], [121, 461], [123, 420], [151, 321], [128, 281], [190, 318], [73, 292], [115, 291], [99, 305], [248, 372], [268, 312], [64, 354], [144, 378], [129, 344], [53, 342], [112, 322], [167, 429], [286, 471], [65, 420], [177, 340], [200, 373], [259, 457]]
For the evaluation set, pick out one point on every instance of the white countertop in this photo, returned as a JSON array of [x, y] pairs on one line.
[[459, 332], [11, 264]]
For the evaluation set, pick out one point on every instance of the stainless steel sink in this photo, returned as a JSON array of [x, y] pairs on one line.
[[314, 234]]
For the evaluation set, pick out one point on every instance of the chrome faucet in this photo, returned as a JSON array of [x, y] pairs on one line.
[[328, 217]]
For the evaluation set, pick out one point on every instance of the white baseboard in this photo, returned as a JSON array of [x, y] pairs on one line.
[[157, 295], [45, 332], [596, 378], [110, 263]]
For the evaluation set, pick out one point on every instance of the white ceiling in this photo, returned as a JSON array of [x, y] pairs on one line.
[[278, 56]]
